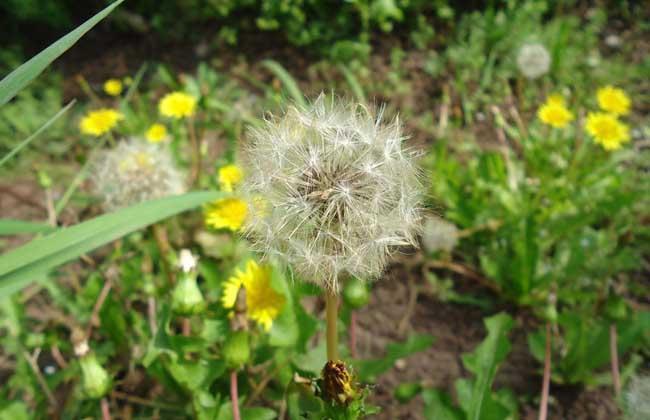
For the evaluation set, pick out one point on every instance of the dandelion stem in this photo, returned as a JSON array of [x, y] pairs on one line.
[[613, 349], [353, 334], [331, 308], [106, 410], [195, 175], [546, 383], [234, 395]]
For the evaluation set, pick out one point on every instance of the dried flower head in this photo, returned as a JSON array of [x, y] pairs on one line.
[[533, 60], [135, 171], [339, 191]]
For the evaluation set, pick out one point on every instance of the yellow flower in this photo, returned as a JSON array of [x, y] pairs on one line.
[[227, 213], [263, 304], [156, 133], [555, 99], [554, 114], [607, 130], [177, 105], [229, 176], [99, 122], [613, 100], [113, 87]]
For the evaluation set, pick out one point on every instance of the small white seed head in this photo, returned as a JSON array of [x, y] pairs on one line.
[[439, 235], [636, 398], [332, 191], [533, 60], [135, 171]]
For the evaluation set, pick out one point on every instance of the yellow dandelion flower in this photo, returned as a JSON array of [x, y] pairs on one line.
[[228, 213], [555, 99], [555, 115], [229, 176], [113, 87], [607, 130], [100, 121], [177, 105], [263, 303], [613, 100], [156, 133]]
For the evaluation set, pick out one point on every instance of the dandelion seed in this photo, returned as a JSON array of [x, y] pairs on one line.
[[340, 192], [607, 130], [439, 235], [135, 171], [263, 304], [177, 105], [156, 133], [613, 100], [226, 213], [533, 60], [113, 87], [229, 176], [98, 122]]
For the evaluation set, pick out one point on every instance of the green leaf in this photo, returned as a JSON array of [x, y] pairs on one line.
[[248, 413], [17, 227], [368, 369], [284, 332], [354, 84], [483, 362], [28, 140], [438, 406], [35, 259], [287, 80], [23, 75]]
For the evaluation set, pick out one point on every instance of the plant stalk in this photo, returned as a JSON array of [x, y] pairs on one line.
[[234, 397], [353, 334], [613, 350], [331, 308], [106, 410], [543, 405]]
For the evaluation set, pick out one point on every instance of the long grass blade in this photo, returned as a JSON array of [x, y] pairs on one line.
[[23, 75], [354, 84], [10, 227], [287, 80]]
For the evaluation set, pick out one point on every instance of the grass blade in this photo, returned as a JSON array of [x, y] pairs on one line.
[[10, 227], [287, 80], [35, 259], [354, 84], [23, 75], [28, 140]]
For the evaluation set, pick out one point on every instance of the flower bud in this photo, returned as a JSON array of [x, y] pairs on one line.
[[236, 350], [355, 293], [338, 384], [186, 297], [95, 379]]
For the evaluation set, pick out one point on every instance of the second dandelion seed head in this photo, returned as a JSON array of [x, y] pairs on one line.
[[340, 191]]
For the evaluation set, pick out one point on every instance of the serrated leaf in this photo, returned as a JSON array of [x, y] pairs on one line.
[[367, 369]]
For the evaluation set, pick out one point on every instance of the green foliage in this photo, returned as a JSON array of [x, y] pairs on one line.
[[475, 396]]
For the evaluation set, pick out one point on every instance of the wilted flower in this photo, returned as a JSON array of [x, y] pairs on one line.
[[99, 122], [636, 398], [113, 87], [263, 304], [555, 113], [229, 176], [439, 235], [533, 60], [340, 192], [156, 133], [135, 171], [177, 105], [613, 100], [607, 130], [226, 213]]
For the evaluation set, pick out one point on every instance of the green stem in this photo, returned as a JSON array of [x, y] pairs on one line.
[[331, 308]]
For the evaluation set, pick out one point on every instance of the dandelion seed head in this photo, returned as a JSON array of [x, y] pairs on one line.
[[135, 171], [340, 192], [533, 60], [439, 234], [636, 398]]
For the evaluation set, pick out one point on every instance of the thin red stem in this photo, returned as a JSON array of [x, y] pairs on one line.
[[187, 326], [234, 397], [613, 350], [106, 410], [353, 334], [546, 384]]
